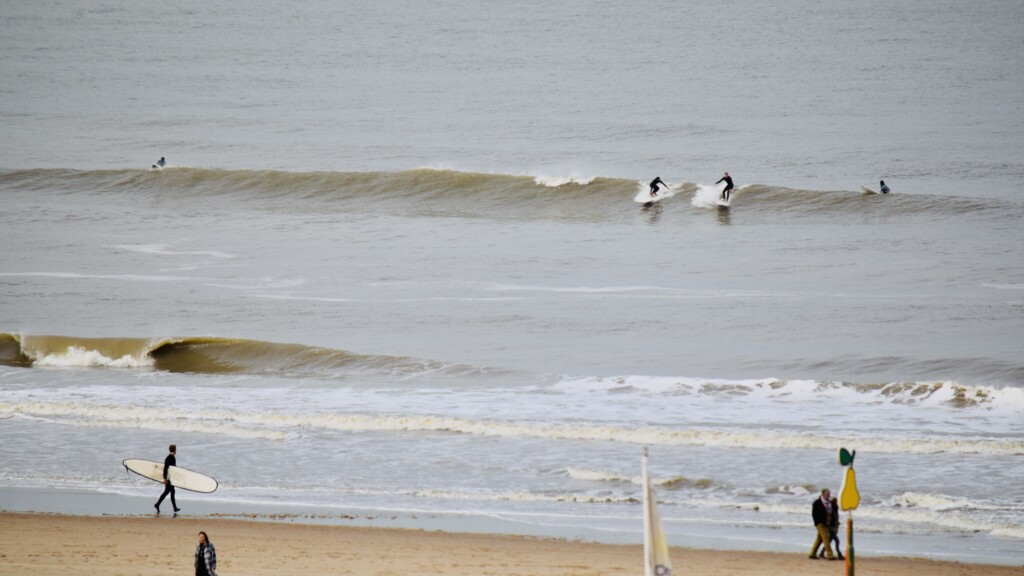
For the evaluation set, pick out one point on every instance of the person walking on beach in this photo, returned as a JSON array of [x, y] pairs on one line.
[[654, 185], [206, 557], [821, 512], [884, 189], [833, 528], [728, 186], [168, 487]]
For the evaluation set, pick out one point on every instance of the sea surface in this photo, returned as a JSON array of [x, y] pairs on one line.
[[394, 272]]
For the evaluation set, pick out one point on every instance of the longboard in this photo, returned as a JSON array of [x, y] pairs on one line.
[[644, 196], [867, 190], [179, 477]]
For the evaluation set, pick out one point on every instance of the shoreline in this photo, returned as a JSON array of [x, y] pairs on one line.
[[55, 544], [70, 502]]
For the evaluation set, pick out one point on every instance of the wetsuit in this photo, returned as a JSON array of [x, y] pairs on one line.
[[728, 186], [884, 189], [168, 487], [654, 185], [160, 162]]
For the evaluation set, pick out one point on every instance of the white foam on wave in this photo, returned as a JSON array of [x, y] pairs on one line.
[[515, 496], [577, 289], [130, 277], [888, 517], [643, 193], [556, 181], [597, 475], [707, 195], [111, 416], [591, 475], [280, 424], [262, 284], [164, 250], [640, 435], [943, 503], [954, 514], [1007, 286], [938, 394], [78, 356]]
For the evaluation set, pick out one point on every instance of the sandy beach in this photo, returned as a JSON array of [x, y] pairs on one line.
[[112, 546]]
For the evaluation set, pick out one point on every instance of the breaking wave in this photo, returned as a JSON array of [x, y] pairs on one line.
[[280, 425], [426, 192], [205, 356]]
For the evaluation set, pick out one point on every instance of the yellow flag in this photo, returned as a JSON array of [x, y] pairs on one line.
[[849, 497]]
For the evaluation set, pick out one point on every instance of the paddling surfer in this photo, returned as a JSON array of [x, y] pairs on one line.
[[168, 487]]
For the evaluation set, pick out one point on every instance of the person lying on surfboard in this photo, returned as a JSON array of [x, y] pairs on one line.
[[728, 186], [654, 185], [884, 188]]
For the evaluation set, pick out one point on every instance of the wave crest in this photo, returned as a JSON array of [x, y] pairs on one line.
[[426, 192]]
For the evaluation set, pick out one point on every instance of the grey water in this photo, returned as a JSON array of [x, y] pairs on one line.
[[394, 264]]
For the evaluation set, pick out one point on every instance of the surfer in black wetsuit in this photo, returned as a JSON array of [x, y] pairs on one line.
[[161, 162], [728, 186], [654, 185], [168, 487], [883, 187]]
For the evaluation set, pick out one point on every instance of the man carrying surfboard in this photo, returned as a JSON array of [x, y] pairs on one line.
[[654, 185], [168, 487], [728, 186]]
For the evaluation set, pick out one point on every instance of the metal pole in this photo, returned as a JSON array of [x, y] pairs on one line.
[[849, 545]]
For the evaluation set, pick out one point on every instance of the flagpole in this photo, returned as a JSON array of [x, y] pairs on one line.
[[648, 536], [849, 544]]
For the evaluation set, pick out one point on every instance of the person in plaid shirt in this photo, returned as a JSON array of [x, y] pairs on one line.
[[206, 557]]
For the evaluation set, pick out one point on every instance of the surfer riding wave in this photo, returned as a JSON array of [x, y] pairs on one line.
[[654, 185], [728, 186]]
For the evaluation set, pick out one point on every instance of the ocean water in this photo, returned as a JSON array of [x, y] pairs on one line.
[[394, 273]]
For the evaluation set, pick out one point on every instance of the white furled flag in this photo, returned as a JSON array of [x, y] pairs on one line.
[[656, 560]]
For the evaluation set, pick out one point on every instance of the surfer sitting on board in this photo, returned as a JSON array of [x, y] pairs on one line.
[[728, 186], [654, 185], [884, 188]]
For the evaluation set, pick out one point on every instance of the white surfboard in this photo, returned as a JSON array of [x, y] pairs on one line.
[[644, 196], [724, 203], [179, 477], [867, 190]]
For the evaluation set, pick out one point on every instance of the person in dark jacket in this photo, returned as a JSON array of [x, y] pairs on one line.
[[833, 529], [822, 512]]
